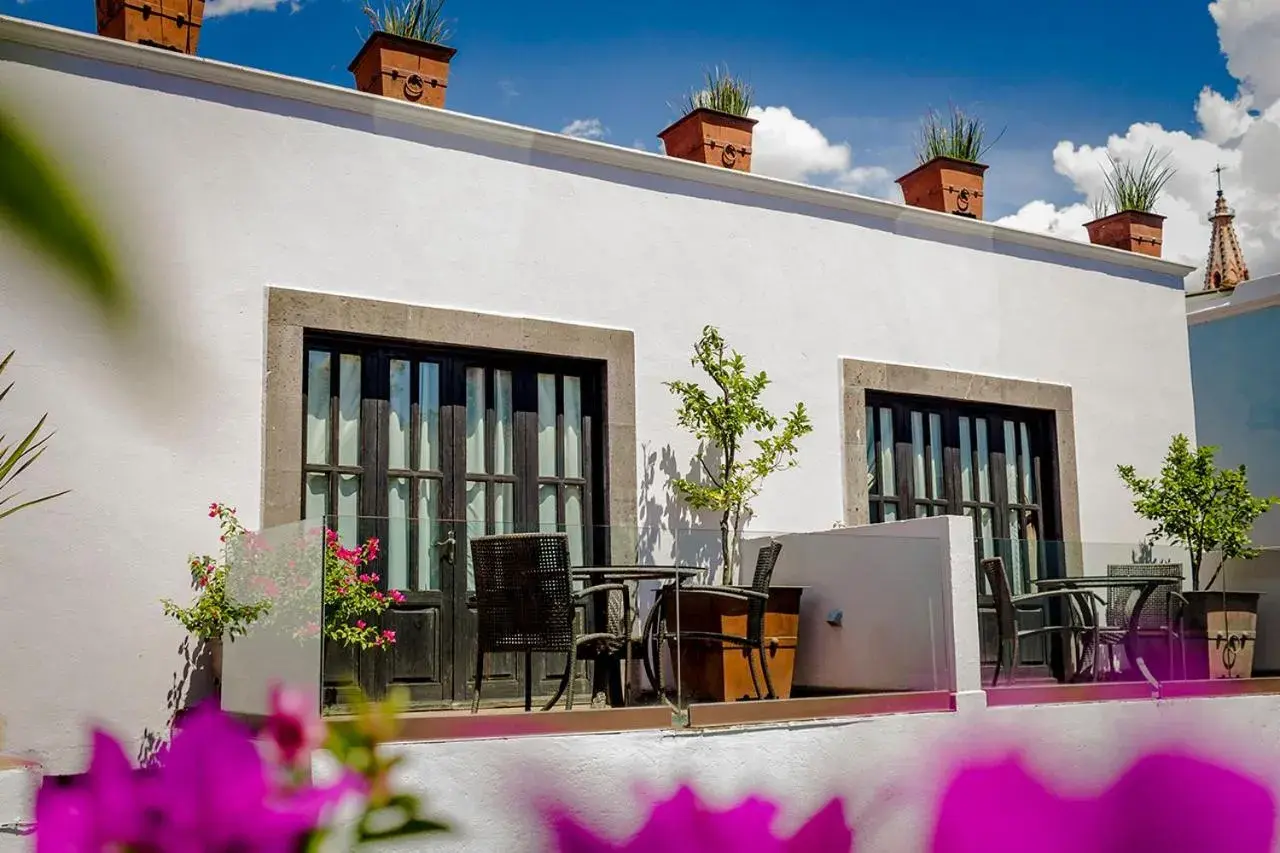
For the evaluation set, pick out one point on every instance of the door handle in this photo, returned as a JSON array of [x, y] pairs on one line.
[[448, 544]]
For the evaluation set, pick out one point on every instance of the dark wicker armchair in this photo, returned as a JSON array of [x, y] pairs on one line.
[[1081, 621], [1162, 613], [756, 597], [525, 602]]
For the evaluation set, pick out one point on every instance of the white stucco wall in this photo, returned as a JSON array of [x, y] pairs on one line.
[[215, 193]]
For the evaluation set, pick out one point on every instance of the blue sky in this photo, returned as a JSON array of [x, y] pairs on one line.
[[862, 72]]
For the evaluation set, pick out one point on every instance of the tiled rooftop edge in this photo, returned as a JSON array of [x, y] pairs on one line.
[[94, 47]]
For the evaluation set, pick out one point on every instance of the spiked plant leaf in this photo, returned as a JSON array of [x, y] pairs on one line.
[[1137, 187], [37, 202], [16, 458], [723, 93], [415, 19], [959, 136]]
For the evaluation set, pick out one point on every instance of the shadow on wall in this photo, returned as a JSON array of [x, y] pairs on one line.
[[521, 154], [192, 684], [670, 531]]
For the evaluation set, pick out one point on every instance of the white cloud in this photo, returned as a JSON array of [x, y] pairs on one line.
[[221, 8], [1231, 133], [788, 147], [585, 128]]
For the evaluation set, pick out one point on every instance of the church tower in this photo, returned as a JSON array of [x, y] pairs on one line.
[[1225, 267]]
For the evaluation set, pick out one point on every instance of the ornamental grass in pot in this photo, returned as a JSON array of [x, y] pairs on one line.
[[714, 127], [1209, 512], [404, 56], [1124, 217], [949, 177]]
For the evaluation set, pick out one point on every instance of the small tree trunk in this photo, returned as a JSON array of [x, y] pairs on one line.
[[726, 576]]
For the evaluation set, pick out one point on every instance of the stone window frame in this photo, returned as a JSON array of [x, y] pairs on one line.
[[859, 376], [290, 313]]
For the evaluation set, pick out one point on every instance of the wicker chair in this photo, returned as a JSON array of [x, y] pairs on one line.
[[1079, 603], [756, 597], [1162, 612], [525, 602]]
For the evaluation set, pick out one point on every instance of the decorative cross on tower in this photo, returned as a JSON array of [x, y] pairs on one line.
[[1225, 267]]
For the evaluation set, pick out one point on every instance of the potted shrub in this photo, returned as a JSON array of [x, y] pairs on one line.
[[727, 420], [285, 591], [714, 128], [168, 24], [404, 56], [1123, 215], [215, 615], [1209, 512], [949, 177]]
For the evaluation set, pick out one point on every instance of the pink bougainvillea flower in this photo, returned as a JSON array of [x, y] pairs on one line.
[[294, 727], [1164, 803], [683, 824], [210, 791]]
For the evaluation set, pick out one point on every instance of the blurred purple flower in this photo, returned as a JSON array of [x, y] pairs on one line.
[[212, 791], [1164, 803], [683, 824], [294, 727]]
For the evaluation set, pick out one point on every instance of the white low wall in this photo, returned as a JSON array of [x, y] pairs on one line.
[[874, 614], [886, 768]]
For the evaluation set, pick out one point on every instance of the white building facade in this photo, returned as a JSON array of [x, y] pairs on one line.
[[293, 241]]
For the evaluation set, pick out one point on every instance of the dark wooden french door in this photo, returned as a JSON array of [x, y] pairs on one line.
[[424, 449], [995, 465]]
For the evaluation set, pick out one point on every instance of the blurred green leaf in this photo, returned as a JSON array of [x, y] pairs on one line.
[[41, 206]]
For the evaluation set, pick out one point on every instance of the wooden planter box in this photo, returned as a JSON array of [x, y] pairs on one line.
[[715, 672], [945, 185], [403, 68], [170, 24], [1130, 230], [711, 137], [1222, 631]]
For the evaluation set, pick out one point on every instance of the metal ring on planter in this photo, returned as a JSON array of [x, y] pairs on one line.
[[414, 86], [729, 156]]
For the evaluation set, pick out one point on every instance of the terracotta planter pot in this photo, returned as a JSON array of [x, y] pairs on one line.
[[170, 24], [715, 672], [945, 185], [711, 137], [1131, 230], [1222, 631], [403, 68]]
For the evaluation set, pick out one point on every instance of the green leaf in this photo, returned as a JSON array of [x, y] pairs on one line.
[[40, 205]]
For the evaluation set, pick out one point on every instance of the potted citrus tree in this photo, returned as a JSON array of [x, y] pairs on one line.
[[1209, 512], [404, 56], [1124, 216], [949, 177], [729, 420], [714, 127]]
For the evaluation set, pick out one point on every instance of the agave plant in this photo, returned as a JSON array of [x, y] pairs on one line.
[[1131, 186], [422, 20], [959, 136], [723, 93], [16, 458]]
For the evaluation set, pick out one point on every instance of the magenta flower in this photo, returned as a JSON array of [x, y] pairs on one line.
[[1164, 803], [683, 824], [210, 791], [294, 727]]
